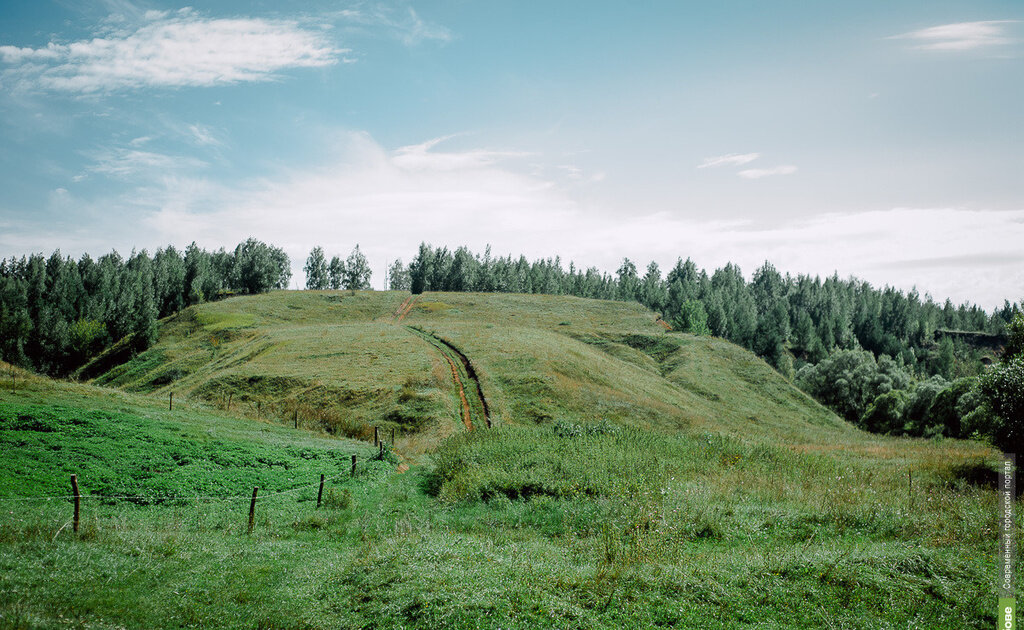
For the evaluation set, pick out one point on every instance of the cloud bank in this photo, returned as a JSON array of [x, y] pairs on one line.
[[170, 50]]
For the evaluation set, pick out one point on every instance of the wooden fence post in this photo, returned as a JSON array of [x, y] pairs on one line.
[[910, 486], [376, 436], [320, 495], [170, 402], [353, 465], [296, 418], [252, 509], [382, 449], [78, 500]]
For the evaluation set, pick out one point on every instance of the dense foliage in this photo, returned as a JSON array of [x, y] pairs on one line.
[[56, 312]]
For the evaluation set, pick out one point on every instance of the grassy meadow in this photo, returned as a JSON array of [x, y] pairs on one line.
[[634, 478]]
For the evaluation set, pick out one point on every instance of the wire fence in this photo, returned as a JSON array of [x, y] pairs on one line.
[[167, 498]]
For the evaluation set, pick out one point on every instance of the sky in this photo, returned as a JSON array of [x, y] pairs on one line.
[[876, 139]]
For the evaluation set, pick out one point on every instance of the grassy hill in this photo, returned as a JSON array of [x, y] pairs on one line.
[[631, 477], [345, 362]]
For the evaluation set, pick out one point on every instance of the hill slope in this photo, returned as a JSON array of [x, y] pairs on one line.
[[346, 362], [631, 478]]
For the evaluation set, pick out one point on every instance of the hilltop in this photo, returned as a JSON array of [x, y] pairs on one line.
[[346, 361]]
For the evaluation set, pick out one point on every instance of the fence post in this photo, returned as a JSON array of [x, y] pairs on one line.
[[78, 500], [230, 395], [170, 402], [353, 465], [252, 509], [382, 449], [910, 486], [296, 418], [320, 495], [376, 436], [259, 408]]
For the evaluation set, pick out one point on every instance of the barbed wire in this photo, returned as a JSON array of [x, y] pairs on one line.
[[161, 498]]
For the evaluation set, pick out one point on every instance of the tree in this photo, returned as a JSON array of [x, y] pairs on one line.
[[653, 293], [628, 281], [258, 268], [885, 414], [692, 318], [336, 272], [169, 281], [399, 278], [1002, 385], [357, 271], [317, 274], [420, 269], [850, 380]]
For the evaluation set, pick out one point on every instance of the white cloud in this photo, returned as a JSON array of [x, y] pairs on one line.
[[960, 36], [389, 203], [757, 173], [731, 159], [204, 136], [126, 163], [419, 157], [182, 49]]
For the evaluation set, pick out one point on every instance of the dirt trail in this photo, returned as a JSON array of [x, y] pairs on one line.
[[452, 354], [467, 416], [405, 307], [471, 373]]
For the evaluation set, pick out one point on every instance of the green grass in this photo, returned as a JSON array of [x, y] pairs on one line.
[[634, 479]]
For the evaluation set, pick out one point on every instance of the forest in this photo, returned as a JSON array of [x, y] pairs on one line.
[[888, 361]]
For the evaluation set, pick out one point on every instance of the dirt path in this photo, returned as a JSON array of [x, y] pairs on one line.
[[455, 358], [405, 307]]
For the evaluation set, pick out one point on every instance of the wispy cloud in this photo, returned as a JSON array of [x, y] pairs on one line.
[[171, 50], [758, 173], [961, 36], [403, 23], [421, 157], [731, 159], [126, 163], [204, 136]]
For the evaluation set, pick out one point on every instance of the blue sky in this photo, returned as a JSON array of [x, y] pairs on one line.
[[876, 139]]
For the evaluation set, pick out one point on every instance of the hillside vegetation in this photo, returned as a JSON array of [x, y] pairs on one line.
[[345, 361], [631, 477]]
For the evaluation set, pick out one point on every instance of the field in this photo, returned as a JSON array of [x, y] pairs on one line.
[[631, 477]]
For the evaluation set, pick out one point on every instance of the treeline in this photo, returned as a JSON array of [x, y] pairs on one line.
[[56, 312]]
